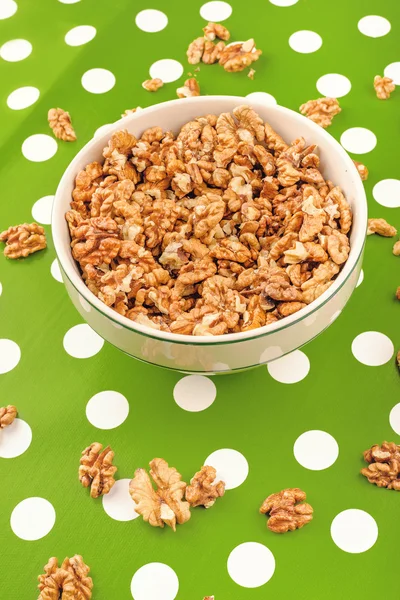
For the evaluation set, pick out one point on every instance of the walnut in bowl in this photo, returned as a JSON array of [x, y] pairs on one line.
[[199, 225]]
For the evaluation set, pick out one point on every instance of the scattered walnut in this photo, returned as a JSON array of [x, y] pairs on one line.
[[69, 582], [381, 227], [362, 169], [213, 30], [398, 359], [321, 111], [96, 469], [398, 293], [165, 504], [7, 415], [195, 51], [190, 88], [131, 111], [208, 598], [384, 467], [396, 248], [23, 240], [384, 86], [212, 52], [60, 122], [237, 57], [251, 74], [152, 85], [219, 229], [203, 491], [285, 512]]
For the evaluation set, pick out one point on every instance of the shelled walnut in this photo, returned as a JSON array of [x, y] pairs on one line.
[[285, 514], [381, 227], [96, 469], [189, 89], [384, 86], [203, 490], [221, 228], [7, 415], [362, 170], [164, 504], [60, 123], [384, 467], [68, 582], [321, 111], [22, 240], [152, 85]]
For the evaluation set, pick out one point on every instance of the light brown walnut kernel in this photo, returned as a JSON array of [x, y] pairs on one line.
[[213, 30], [398, 293], [7, 415], [396, 248], [203, 490], [362, 170], [381, 227], [238, 56], [152, 85], [287, 511], [384, 467], [189, 89], [96, 469], [164, 505], [195, 51], [60, 122], [22, 240], [212, 52], [68, 582], [321, 111], [384, 86]]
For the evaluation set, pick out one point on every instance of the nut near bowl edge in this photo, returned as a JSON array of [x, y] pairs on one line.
[[234, 351]]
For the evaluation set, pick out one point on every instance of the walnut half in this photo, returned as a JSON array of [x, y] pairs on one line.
[[23, 240], [285, 512], [60, 122], [68, 582], [96, 469], [203, 490], [164, 504], [384, 467], [7, 415]]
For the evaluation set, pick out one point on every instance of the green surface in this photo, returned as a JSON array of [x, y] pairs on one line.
[[252, 413]]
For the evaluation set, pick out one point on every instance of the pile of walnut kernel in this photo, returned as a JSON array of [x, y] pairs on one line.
[[220, 229]]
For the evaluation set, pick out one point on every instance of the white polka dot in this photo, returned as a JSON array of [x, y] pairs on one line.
[[333, 85], [55, 271], [290, 368], [98, 81], [10, 355], [82, 342], [22, 97], [251, 564], [358, 140], [354, 530], [194, 393], [270, 353], [220, 366], [166, 69], [101, 130], [216, 11], [85, 305], [374, 26], [393, 71], [283, 2], [80, 35], [69, 1], [305, 41], [39, 147], [262, 97], [15, 439], [360, 278], [394, 418], [8, 8], [316, 450], [231, 466], [151, 20], [41, 210], [15, 50], [372, 348], [33, 518], [155, 581], [1, 289], [335, 316], [387, 192], [107, 410], [118, 503]]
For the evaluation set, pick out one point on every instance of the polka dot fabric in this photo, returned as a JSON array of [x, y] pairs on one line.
[[299, 420]]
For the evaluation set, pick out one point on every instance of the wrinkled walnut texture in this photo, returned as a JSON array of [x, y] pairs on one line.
[[203, 490], [22, 240], [164, 504], [321, 111], [384, 86], [362, 170], [96, 469], [384, 467], [285, 512], [396, 248], [189, 89], [7, 415], [60, 122], [381, 227], [68, 582], [152, 85], [219, 229]]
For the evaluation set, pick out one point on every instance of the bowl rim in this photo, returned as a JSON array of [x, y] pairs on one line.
[[67, 262]]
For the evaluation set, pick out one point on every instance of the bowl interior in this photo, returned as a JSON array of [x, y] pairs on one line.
[[336, 165]]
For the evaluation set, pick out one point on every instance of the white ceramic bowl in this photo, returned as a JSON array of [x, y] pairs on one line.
[[229, 352]]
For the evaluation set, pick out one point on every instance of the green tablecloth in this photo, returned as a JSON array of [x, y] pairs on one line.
[[338, 391]]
